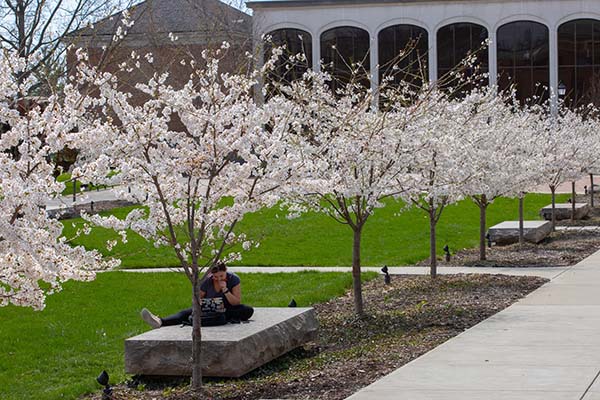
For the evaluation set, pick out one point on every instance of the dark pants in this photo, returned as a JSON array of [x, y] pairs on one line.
[[232, 313]]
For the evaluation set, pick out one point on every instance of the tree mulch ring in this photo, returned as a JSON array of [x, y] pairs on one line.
[[404, 320], [559, 249]]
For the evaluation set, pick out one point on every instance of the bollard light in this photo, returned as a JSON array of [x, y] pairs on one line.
[[387, 279], [489, 240], [447, 252], [562, 89], [102, 379]]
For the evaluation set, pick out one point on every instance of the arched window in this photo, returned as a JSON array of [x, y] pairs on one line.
[[409, 67], [343, 49], [523, 58], [296, 42], [579, 61], [454, 43]]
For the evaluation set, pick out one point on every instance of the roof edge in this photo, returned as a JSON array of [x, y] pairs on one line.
[[307, 3]]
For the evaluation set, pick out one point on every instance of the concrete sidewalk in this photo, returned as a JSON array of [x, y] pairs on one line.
[[546, 346], [82, 198], [547, 272]]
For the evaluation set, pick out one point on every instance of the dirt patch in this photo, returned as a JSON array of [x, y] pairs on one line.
[[405, 319]]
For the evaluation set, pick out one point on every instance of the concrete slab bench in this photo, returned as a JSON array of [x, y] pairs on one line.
[[507, 232], [230, 350], [563, 211]]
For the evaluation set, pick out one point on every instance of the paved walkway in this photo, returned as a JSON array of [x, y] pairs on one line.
[[548, 272], [546, 346], [82, 198]]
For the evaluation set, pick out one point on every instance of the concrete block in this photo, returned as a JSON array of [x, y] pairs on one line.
[[563, 211], [507, 232], [230, 350]]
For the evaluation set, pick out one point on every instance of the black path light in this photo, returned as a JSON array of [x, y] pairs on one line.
[[562, 89], [102, 379], [489, 240], [292, 303], [447, 252], [386, 277]]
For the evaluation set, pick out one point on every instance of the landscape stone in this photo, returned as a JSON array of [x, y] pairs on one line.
[[563, 211], [230, 350], [507, 232]]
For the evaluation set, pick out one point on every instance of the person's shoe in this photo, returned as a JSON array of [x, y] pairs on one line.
[[151, 319]]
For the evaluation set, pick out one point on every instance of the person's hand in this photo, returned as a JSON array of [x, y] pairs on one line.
[[222, 285]]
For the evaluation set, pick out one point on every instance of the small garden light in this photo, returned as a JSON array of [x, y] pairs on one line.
[[489, 240], [562, 89], [447, 252], [292, 303], [386, 277], [102, 379]]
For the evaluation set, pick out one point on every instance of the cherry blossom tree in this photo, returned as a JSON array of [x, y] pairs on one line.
[[500, 132], [354, 155], [36, 259], [441, 155], [563, 146], [196, 183]]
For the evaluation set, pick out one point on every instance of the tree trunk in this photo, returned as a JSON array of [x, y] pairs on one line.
[[483, 204], [432, 244], [592, 190], [521, 217], [553, 191], [573, 194], [196, 335], [356, 282]]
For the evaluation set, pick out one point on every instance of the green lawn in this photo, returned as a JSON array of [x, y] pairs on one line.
[[66, 178], [316, 240], [57, 353]]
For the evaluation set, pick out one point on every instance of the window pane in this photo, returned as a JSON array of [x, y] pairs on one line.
[[584, 42], [457, 41], [583, 85], [577, 70], [343, 48], [597, 42], [296, 42], [566, 44], [525, 46], [398, 39]]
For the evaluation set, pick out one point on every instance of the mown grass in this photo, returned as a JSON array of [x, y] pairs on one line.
[[390, 236], [57, 353], [68, 190]]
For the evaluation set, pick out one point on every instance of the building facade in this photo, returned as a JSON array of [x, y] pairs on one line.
[[197, 25], [532, 43]]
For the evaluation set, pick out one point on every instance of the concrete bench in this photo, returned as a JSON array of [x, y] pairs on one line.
[[230, 350], [507, 232], [563, 211]]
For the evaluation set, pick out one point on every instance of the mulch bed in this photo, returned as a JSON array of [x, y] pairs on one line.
[[404, 320], [560, 249]]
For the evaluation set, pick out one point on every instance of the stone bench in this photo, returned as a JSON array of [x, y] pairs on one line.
[[230, 350], [507, 232], [563, 211]]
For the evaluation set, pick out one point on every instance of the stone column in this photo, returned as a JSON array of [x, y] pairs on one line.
[[432, 56], [493, 58], [553, 37], [316, 52], [374, 60], [374, 67]]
